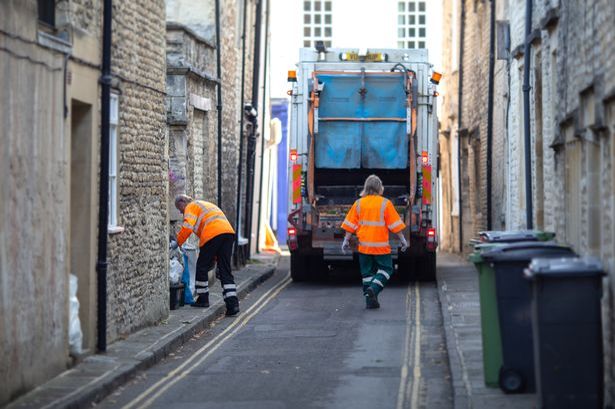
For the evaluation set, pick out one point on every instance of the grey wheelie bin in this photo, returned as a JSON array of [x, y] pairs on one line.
[[512, 236], [513, 300], [567, 330]]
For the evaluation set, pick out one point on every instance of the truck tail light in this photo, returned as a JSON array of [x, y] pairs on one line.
[[293, 244], [432, 242]]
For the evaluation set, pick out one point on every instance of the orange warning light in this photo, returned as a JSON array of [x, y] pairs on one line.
[[293, 155], [292, 76], [436, 77], [425, 157]]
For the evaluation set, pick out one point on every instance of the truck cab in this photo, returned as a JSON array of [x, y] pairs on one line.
[[355, 113]]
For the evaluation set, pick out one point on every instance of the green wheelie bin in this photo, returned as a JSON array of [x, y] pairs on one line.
[[490, 324]]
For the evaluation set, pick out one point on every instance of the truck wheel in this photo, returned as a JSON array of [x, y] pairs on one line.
[[427, 267], [299, 267], [406, 269]]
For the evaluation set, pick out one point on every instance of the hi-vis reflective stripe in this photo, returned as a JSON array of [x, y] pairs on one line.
[[368, 279], [188, 225], [384, 273], [375, 280], [212, 218], [202, 290], [230, 294], [350, 224], [230, 286], [201, 283], [370, 223], [373, 244], [382, 208], [190, 216], [394, 225]]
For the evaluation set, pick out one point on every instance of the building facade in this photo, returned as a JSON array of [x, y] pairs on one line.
[[571, 88]]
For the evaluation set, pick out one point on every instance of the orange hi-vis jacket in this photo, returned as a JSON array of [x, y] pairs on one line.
[[371, 218], [204, 219]]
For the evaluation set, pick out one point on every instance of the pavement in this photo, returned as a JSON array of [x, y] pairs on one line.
[[98, 375], [459, 298]]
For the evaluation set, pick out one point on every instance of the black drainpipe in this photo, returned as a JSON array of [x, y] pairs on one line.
[[526, 116], [490, 114], [263, 116], [103, 190], [219, 98], [242, 114], [459, 122], [251, 154]]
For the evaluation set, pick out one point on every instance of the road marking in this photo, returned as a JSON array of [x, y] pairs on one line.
[[411, 355], [403, 382], [417, 349], [177, 374]]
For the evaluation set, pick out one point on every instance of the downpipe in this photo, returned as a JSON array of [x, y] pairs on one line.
[[219, 101], [490, 115], [103, 191], [526, 116], [459, 123], [241, 125]]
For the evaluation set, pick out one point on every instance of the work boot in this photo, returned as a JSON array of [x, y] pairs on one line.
[[371, 299], [232, 306], [202, 301]]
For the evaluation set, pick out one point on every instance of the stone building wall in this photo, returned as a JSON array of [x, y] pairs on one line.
[[138, 262], [34, 206]]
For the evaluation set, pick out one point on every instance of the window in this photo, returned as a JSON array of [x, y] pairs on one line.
[[113, 136], [47, 12], [317, 22], [410, 33]]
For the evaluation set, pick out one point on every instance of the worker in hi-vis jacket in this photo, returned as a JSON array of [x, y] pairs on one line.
[[216, 238], [371, 218]]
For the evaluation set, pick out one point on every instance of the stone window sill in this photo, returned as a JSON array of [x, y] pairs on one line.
[[115, 230]]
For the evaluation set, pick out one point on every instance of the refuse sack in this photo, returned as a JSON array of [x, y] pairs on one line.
[[186, 280], [191, 254], [175, 271], [75, 336]]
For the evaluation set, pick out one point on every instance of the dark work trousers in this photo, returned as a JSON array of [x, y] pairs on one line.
[[220, 248]]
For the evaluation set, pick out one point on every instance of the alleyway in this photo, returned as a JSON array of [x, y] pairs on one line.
[[308, 346]]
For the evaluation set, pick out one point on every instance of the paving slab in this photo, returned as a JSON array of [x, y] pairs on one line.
[[459, 299], [98, 375]]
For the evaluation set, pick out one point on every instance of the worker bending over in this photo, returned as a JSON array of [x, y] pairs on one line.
[[216, 237], [371, 218]]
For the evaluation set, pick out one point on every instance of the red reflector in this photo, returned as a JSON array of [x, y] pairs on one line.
[[293, 155], [292, 231], [431, 232]]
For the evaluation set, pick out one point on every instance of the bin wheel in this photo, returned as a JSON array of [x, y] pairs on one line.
[[511, 381]]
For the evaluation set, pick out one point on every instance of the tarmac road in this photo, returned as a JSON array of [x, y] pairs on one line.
[[307, 345]]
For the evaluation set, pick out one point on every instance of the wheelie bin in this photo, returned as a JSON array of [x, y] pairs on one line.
[[567, 328], [490, 326], [513, 306]]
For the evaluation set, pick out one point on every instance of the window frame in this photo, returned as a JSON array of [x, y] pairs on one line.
[[114, 105]]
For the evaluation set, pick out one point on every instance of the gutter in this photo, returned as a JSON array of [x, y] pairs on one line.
[[238, 230], [103, 190], [526, 115]]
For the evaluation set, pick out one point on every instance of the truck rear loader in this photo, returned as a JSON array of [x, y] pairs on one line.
[[354, 114]]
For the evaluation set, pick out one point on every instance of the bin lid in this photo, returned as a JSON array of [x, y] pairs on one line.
[[510, 236], [564, 267], [526, 251]]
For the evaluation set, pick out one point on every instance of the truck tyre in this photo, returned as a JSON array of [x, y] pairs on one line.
[[299, 267], [406, 269], [427, 267]]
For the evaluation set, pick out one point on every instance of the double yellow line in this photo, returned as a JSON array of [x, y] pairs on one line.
[[152, 393], [411, 357]]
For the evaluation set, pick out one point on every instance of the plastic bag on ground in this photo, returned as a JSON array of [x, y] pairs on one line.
[[175, 271], [75, 336], [186, 279]]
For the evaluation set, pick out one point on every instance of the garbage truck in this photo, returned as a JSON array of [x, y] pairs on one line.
[[355, 113]]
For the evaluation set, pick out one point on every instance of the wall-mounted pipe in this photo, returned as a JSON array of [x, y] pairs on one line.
[[241, 124], [103, 189], [526, 115], [490, 114], [219, 100], [459, 121], [263, 116], [251, 153]]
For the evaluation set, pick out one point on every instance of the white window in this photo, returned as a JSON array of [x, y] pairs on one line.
[[317, 22], [113, 123], [411, 24]]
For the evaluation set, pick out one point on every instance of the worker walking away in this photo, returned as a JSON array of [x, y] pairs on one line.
[[216, 237], [371, 218]]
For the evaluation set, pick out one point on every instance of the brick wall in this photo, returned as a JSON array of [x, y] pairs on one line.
[[138, 261]]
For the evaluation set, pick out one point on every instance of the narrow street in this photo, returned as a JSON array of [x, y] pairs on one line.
[[308, 345]]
